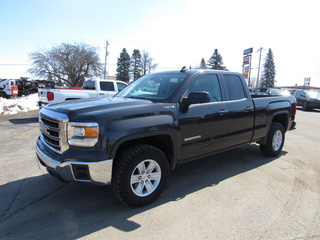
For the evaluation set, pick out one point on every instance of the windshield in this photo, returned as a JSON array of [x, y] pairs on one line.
[[313, 94], [155, 86], [280, 92]]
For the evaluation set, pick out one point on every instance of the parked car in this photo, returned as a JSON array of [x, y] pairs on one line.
[[91, 88], [134, 139], [278, 92], [27, 87], [307, 99], [8, 88], [260, 91]]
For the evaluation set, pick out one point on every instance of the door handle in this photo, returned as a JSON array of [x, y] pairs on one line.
[[248, 108], [223, 111]]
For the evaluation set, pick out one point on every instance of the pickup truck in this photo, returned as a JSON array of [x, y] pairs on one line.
[[90, 89], [134, 139]]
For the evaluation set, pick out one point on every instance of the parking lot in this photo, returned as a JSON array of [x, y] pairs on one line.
[[238, 194]]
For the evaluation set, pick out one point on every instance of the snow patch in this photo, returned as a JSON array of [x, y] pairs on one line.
[[23, 104]]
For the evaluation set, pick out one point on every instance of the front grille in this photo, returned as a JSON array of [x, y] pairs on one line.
[[53, 128]]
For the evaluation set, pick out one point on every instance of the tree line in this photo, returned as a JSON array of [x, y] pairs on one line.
[[268, 68], [136, 66], [71, 63]]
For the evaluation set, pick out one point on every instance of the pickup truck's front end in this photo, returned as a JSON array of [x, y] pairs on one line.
[[57, 134]]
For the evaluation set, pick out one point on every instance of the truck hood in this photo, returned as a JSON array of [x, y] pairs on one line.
[[94, 108]]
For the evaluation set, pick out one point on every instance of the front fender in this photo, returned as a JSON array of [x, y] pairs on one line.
[[149, 129]]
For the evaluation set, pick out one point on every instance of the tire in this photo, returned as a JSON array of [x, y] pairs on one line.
[[305, 106], [3, 94], [140, 175], [275, 140]]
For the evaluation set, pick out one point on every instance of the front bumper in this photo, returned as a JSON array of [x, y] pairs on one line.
[[75, 171]]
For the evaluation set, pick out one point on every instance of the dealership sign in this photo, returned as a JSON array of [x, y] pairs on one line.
[[246, 69], [248, 51]]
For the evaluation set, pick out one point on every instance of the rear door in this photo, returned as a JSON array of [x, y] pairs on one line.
[[241, 110]]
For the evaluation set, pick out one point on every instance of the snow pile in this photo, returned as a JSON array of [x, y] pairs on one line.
[[23, 104]]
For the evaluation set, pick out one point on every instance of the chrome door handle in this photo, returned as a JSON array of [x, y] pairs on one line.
[[223, 111]]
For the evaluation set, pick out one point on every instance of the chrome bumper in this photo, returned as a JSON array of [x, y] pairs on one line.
[[75, 171]]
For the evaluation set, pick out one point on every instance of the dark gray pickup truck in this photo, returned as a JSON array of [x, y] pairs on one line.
[[134, 139]]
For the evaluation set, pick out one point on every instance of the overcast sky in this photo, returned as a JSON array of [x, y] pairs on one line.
[[176, 33]]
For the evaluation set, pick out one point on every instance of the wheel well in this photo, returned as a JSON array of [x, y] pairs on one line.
[[282, 119], [3, 94], [163, 142]]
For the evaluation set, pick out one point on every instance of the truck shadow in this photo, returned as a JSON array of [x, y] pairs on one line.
[[24, 120], [71, 211]]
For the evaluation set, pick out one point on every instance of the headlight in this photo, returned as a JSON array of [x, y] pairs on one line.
[[83, 134]]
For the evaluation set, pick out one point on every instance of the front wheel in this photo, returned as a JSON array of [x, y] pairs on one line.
[[275, 140], [3, 94], [140, 175], [305, 106]]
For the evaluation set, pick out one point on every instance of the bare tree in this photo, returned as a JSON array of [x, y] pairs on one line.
[[69, 63], [147, 63]]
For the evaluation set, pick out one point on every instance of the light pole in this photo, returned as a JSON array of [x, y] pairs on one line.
[[260, 49], [105, 61]]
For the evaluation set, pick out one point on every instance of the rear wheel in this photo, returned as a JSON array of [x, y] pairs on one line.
[[140, 175], [275, 140], [3, 94]]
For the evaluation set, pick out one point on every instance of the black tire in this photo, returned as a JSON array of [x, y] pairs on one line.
[[3, 94], [275, 140], [131, 184], [305, 106]]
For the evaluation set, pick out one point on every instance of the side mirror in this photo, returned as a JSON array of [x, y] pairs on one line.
[[195, 98]]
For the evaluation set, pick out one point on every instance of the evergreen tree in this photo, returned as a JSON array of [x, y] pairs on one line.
[[215, 61], [136, 64], [203, 64], [269, 71], [123, 66]]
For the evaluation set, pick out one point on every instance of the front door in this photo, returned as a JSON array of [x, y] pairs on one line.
[[204, 127]]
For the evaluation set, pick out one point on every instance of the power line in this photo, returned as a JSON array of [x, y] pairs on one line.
[[14, 64]]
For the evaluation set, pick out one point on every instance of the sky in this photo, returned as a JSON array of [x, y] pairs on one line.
[[176, 33]]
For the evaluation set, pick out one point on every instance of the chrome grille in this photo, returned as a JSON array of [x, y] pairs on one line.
[[53, 130]]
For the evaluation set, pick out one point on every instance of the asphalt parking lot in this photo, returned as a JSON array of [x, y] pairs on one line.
[[238, 194]]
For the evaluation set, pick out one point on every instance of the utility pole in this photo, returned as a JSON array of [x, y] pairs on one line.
[[260, 49], [105, 61]]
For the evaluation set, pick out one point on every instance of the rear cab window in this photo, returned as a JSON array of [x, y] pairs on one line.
[[234, 87], [107, 86]]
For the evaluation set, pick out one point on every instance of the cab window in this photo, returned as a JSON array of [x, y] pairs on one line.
[[121, 86], [234, 87], [106, 86], [207, 83]]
